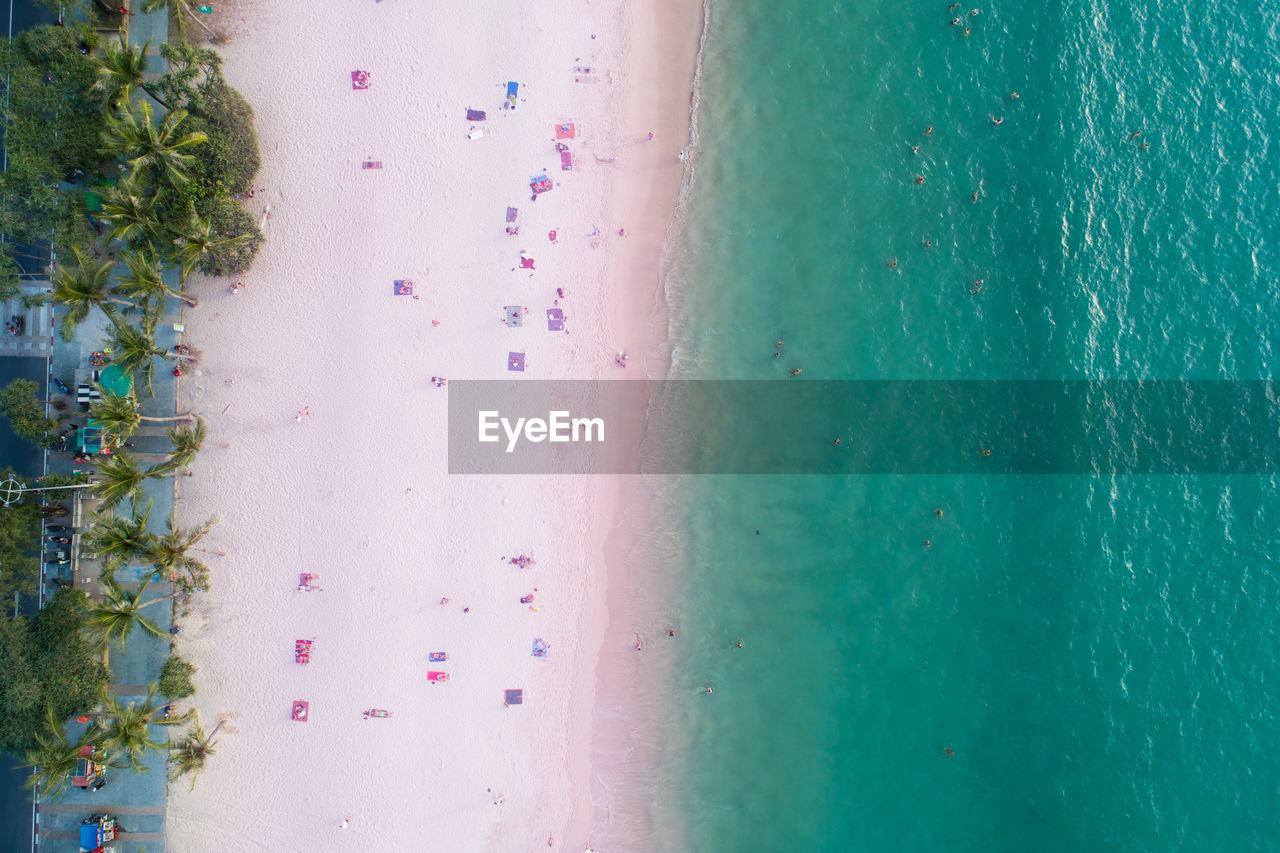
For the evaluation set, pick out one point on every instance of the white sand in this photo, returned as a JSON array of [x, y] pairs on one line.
[[358, 491]]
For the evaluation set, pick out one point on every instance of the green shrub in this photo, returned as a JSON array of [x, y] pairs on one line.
[[230, 221], [228, 162], [175, 678]]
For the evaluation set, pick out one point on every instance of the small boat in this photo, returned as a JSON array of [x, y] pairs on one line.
[[376, 713]]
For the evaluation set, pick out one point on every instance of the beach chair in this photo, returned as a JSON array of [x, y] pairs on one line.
[[371, 164], [514, 315], [511, 103], [435, 675], [565, 131], [402, 287], [555, 320], [308, 582]]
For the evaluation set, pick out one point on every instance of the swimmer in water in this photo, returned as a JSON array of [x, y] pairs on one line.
[[709, 690], [928, 243], [938, 513], [948, 752], [928, 130], [891, 263], [986, 452], [796, 371], [955, 22], [915, 149], [919, 179], [996, 119], [974, 196], [973, 13]]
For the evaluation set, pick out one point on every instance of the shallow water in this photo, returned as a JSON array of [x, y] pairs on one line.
[[1095, 651]]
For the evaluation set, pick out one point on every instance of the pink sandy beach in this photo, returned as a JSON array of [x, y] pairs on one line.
[[358, 491]]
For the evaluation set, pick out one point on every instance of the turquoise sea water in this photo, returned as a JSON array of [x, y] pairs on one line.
[[1099, 653]]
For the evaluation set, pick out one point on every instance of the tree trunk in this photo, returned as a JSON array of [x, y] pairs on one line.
[[185, 416], [212, 35]]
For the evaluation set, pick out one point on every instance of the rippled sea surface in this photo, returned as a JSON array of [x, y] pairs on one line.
[[1071, 663]]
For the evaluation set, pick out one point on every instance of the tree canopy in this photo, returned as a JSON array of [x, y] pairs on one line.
[[45, 663]]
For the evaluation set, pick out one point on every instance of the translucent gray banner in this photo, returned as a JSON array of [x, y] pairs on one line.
[[862, 427]]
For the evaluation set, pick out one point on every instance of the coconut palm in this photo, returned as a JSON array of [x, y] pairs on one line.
[[124, 728], [131, 208], [170, 554], [196, 242], [121, 69], [188, 753], [134, 348], [81, 287], [112, 618], [121, 477], [119, 416], [131, 134], [187, 440], [145, 281], [54, 757], [179, 11], [119, 539]]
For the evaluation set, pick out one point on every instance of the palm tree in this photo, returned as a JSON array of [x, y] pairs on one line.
[[121, 68], [120, 416], [177, 10], [169, 554], [130, 207], [124, 729], [113, 618], [187, 440], [54, 757], [145, 281], [188, 753], [196, 242], [82, 287], [134, 348], [116, 539], [121, 477], [132, 134]]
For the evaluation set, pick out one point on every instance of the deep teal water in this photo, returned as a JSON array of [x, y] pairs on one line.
[[1100, 653]]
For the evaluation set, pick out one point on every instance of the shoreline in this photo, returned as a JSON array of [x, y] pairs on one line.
[[336, 234]]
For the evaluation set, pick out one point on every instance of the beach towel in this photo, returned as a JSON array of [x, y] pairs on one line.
[[512, 89], [526, 263], [555, 320], [513, 697], [512, 213], [515, 361], [566, 161], [433, 675], [564, 131], [540, 184], [402, 287], [359, 79], [371, 164], [437, 656], [475, 115], [539, 648], [515, 315]]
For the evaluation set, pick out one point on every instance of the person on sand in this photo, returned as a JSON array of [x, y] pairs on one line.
[[346, 821], [304, 412], [671, 632], [639, 644]]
